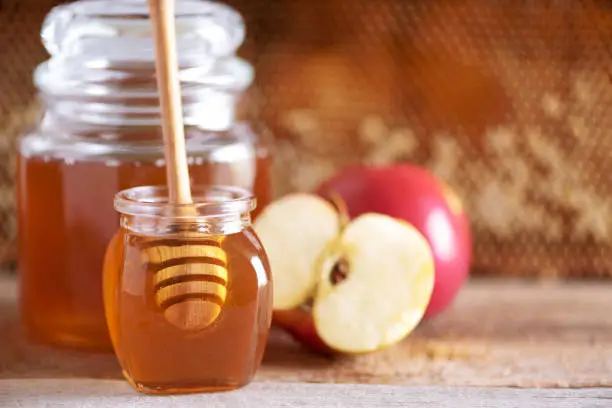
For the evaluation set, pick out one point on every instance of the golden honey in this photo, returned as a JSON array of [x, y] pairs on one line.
[[100, 132], [188, 303], [66, 219]]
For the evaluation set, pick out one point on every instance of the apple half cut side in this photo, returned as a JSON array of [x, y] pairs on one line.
[[294, 230], [355, 290], [386, 290]]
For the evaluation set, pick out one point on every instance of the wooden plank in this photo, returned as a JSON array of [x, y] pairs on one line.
[[114, 394], [498, 334]]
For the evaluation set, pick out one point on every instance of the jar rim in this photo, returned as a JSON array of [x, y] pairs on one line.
[[208, 201]]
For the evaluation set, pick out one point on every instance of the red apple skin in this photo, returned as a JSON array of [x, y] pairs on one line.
[[415, 195], [298, 322]]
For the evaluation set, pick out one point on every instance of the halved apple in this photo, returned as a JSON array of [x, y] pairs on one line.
[[294, 231], [359, 287]]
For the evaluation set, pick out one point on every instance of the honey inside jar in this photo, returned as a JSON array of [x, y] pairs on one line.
[[157, 355], [71, 201], [100, 133]]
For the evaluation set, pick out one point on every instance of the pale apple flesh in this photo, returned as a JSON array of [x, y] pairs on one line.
[[381, 293], [387, 289], [294, 231]]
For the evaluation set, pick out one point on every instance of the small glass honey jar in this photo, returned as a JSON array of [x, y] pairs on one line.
[[187, 291]]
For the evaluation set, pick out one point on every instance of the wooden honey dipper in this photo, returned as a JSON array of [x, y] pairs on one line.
[[190, 274]]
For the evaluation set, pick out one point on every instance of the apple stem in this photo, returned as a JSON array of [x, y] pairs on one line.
[[342, 208]]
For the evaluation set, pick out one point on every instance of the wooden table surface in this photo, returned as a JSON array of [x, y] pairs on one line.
[[502, 342]]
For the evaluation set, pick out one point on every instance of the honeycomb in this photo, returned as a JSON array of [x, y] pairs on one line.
[[507, 101]]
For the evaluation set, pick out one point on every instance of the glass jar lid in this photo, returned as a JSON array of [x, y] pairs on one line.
[[103, 51], [120, 31]]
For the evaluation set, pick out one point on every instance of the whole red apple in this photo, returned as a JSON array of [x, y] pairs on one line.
[[416, 195]]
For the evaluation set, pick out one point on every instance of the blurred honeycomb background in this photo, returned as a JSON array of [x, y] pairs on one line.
[[509, 101]]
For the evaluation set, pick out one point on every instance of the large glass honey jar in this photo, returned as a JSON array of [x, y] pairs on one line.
[[100, 134]]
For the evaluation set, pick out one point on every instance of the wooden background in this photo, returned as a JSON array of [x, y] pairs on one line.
[[509, 102]]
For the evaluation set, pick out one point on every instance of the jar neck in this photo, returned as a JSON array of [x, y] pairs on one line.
[[168, 226], [217, 210], [128, 98]]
